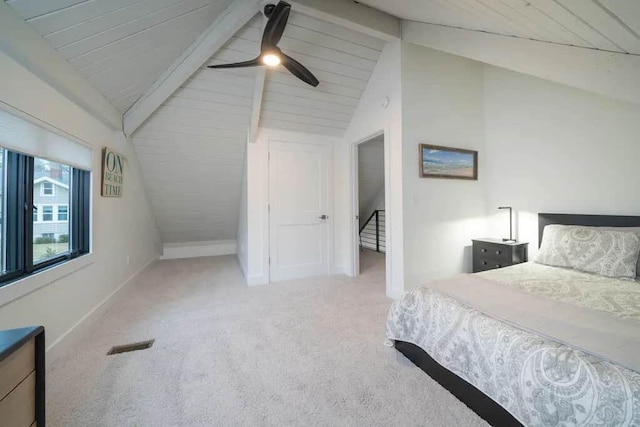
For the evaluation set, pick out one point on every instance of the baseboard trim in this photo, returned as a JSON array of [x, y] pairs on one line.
[[198, 249], [66, 340], [257, 280], [243, 267]]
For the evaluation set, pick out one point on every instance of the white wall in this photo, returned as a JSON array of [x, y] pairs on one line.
[[242, 238], [371, 117], [257, 272], [121, 227], [552, 148], [442, 104]]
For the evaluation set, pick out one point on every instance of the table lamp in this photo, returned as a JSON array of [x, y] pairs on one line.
[[510, 239]]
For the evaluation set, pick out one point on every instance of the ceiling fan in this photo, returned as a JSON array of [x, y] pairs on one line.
[[270, 54]]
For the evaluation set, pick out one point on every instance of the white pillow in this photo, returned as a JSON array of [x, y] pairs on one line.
[[628, 229], [607, 251]]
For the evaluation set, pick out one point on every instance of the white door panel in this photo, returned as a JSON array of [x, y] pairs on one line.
[[298, 198]]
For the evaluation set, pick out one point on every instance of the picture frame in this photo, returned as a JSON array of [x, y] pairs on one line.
[[112, 173], [448, 162]]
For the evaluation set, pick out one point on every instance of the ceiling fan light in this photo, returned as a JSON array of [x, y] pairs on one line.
[[271, 59]]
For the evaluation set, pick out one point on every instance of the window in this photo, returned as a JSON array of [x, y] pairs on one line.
[[35, 235], [54, 237], [47, 213], [47, 189], [2, 192], [63, 213]]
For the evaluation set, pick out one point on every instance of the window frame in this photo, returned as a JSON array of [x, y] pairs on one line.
[[66, 213], [43, 193], [43, 207], [19, 213]]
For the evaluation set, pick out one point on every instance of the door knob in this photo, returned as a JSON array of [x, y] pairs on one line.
[[323, 217]]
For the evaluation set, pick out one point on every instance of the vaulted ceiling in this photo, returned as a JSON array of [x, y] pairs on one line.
[[612, 25], [192, 147], [200, 132], [120, 46]]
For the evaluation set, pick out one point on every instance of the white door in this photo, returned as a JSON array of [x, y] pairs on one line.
[[299, 210]]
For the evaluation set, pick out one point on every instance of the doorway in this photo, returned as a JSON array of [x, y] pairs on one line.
[[370, 206], [300, 210]]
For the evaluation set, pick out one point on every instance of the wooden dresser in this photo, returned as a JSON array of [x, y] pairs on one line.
[[489, 254], [22, 369]]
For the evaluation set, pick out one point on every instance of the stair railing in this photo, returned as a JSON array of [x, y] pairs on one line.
[[374, 216]]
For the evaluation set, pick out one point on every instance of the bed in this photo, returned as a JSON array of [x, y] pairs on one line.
[[513, 366]]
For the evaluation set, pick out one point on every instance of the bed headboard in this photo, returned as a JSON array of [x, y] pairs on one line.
[[545, 219]]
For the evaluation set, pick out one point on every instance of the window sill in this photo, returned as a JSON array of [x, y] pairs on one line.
[[32, 283]]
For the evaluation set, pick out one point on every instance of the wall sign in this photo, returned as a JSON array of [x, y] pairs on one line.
[[112, 173]]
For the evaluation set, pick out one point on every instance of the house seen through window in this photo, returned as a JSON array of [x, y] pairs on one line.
[[2, 210], [51, 184]]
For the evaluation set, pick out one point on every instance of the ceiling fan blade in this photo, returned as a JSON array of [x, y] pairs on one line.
[[275, 25], [252, 63], [299, 70]]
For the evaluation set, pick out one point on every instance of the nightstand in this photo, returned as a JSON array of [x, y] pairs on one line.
[[489, 254]]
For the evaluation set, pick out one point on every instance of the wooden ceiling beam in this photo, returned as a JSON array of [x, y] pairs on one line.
[[210, 41]]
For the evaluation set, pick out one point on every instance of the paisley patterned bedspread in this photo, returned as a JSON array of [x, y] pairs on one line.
[[539, 381]]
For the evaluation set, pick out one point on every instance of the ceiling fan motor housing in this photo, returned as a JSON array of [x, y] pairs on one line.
[[268, 9], [270, 54]]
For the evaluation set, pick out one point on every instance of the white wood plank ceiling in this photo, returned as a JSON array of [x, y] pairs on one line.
[[120, 46], [191, 152], [192, 148], [341, 59], [611, 25]]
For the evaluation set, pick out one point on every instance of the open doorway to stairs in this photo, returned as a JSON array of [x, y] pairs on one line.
[[370, 206]]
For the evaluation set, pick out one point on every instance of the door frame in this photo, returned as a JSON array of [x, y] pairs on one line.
[[354, 224], [330, 196]]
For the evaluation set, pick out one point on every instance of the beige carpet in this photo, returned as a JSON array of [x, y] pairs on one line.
[[305, 352]]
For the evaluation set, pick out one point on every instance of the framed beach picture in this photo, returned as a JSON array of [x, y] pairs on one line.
[[447, 162]]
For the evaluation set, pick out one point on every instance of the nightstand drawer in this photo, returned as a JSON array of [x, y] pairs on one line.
[[489, 254], [489, 251], [483, 264]]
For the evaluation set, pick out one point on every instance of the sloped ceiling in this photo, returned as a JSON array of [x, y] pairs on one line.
[[120, 46], [191, 152], [192, 149], [341, 59], [611, 25]]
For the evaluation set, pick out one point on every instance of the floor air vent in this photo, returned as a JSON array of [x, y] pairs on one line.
[[143, 345]]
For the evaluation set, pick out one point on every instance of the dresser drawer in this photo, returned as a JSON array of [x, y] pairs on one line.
[[18, 408], [16, 367]]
